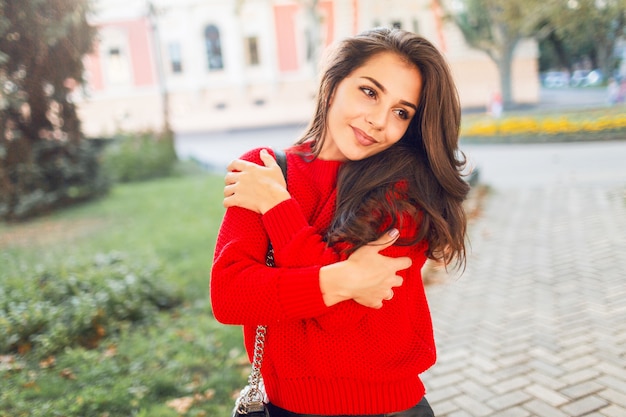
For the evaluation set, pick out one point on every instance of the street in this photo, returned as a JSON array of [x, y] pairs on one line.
[[511, 165]]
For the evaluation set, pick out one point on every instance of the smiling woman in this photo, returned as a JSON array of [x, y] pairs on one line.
[[371, 108], [373, 190]]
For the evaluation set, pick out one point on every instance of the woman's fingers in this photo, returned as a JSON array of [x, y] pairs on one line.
[[240, 165], [375, 275], [268, 160], [255, 187]]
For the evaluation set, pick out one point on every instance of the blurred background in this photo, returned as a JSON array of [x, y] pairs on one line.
[[220, 65]]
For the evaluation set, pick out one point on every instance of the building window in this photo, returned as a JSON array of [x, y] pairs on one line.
[[176, 59], [396, 24], [213, 48], [118, 69], [252, 51]]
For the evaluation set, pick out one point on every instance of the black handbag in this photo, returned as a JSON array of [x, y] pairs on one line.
[[252, 399]]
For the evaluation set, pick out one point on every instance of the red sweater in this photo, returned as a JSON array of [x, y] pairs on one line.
[[344, 359]]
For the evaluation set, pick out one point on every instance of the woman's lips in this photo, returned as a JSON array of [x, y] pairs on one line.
[[362, 137]]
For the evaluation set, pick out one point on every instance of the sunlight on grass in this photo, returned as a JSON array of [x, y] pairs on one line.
[[137, 370], [173, 221]]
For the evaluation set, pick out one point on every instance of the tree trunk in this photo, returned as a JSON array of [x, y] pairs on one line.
[[505, 66]]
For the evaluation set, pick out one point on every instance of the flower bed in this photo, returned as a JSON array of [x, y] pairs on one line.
[[600, 124]]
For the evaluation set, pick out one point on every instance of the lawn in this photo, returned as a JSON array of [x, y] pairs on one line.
[[178, 361]]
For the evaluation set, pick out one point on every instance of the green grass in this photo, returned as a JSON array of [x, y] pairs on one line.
[[140, 368]]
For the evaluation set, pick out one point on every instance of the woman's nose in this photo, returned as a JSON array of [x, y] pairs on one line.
[[376, 118]]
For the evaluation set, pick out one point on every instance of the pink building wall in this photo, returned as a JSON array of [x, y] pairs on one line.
[[139, 54], [284, 16], [139, 34], [93, 68], [326, 8]]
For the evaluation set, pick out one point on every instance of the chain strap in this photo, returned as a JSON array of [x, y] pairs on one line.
[[254, 393], [253, 396]]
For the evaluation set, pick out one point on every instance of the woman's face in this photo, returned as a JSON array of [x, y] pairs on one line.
[[371, 108]]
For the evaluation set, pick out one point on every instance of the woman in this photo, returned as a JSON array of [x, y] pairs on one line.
[[374, 188]]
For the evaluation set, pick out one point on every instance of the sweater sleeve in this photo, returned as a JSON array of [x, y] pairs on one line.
[[297, 244], [246, 291], [348, 313]]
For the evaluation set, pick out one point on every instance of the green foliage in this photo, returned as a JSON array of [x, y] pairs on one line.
[[55, 174], [136, 373], [138, 368], [43, 164], [138, 157], [50, 310], [588, 29]]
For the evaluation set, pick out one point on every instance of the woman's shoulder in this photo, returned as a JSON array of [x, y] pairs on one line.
[[253, 155]]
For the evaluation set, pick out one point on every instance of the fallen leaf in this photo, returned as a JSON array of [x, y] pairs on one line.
[[8, 363], [110, 351], [49, 362], [30, 384], [67, 374], [181, 405], [7, 358], [24, 348]]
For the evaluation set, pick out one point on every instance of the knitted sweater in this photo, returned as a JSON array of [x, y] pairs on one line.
[[343, 359]]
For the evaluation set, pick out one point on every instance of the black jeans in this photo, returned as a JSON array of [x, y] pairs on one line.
[[422, 409]]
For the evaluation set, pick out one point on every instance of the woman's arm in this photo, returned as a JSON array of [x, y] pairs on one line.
[[244, 290]]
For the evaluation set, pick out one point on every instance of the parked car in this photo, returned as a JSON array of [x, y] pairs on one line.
[[582, 78], [555, 79]]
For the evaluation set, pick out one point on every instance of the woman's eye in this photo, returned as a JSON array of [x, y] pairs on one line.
[[403, 114], [368, 92]]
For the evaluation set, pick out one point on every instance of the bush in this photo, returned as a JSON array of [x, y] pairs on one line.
[[50, 310], [139, 157], [56, 174]]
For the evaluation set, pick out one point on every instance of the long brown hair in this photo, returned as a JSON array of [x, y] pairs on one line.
[[426, 158]]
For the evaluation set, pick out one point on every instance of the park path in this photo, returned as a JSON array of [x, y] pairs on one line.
[[536, 326]]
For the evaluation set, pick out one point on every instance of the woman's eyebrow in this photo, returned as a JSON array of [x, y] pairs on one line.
[[384, 90]]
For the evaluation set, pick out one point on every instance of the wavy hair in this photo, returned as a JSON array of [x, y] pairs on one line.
[[426, 158]]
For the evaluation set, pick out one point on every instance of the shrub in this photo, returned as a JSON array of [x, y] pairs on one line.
[[49, 310], [56, 174], [139, 157]]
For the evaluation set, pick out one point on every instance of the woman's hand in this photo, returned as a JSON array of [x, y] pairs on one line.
[[255, 187], [366, 276]]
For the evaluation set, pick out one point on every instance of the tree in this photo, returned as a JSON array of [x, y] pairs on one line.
[[496, 27], [597, 23], [43, 160]]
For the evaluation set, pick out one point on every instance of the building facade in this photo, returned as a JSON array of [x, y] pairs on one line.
[[228, 64]]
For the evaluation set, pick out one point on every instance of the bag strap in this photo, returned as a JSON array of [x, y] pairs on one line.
[[254, 396], [281, 160]]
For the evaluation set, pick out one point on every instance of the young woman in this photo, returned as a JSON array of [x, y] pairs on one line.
[[373, 190]]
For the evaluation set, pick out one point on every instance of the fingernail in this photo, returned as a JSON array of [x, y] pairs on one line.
[[263, 150], [393, 232]]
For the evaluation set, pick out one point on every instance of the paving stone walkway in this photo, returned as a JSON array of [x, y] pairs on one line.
[[536, 326]]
